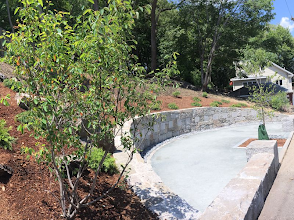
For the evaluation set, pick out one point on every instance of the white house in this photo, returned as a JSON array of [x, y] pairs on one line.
[[274, 74]]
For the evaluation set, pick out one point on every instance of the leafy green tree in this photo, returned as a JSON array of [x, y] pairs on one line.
[[208, 35], [253, 63], [78, 77], [278, 40]]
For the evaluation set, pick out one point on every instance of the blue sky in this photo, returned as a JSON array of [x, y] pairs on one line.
[[283, 16]]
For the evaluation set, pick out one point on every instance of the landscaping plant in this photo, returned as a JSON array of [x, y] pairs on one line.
[[196, 99], [196, 104], [172, 106], [5, 138], [81, 77], [204, 94], [279, 101], [215, 104], [225, 101], [95, 156], [176, 94], [239, 105]]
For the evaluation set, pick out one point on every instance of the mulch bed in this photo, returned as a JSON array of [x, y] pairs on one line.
[[280, 142], [30, 193]]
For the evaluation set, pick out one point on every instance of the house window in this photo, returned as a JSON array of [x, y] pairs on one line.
[[281, 82], [245, 84], [277, 82]]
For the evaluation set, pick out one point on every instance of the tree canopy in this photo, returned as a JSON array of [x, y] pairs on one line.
[[208, 34]]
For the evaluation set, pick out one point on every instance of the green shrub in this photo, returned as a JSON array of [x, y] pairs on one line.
[[225, 101], [176, 94], [214, 104], [279, 101], [94, 158], [204, 94], [172, 106], [5, 138], [156, 105], [13, 84], [24, 117], [239, 105], [196, 99], [196, 104]]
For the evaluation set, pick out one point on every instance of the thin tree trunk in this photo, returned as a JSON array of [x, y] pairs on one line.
[[153, 35], [9, 16], [95, 6]]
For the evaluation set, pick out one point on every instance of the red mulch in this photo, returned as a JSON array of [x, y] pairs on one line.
[[30, 192], [280, 142], [186, 102]]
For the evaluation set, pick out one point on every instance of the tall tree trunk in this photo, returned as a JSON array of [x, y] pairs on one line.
[[9, 17], [153, 35], [95, 6]]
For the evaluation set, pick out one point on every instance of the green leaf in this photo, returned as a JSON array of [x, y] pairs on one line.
[[20, 128], [87, 11], [40, 2], [16, 10], [92, 1]]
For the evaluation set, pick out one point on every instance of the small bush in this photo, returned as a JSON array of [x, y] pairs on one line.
[[5, 138], [196, 104], [279, 101], [196, 99], [172, 106], [225, 101], [24, 117], [176, 94], [156, 105], [214, 104], [13, 84], [204, 94], [239, 105], [94, 158]]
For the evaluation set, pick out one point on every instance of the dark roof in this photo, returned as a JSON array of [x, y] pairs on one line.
[[245, 91]]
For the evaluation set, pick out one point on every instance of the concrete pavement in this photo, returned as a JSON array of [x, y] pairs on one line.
[[279, 204]]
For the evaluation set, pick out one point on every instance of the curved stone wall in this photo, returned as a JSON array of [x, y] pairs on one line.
[[145, 182], [173, 123]]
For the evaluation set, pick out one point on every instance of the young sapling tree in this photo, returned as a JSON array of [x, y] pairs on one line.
[[80, 78]]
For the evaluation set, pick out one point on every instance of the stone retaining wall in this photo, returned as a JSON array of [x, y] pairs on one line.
[[174, 123], [159, 198]]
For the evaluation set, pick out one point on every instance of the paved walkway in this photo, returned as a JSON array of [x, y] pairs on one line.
[[279, 204]]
